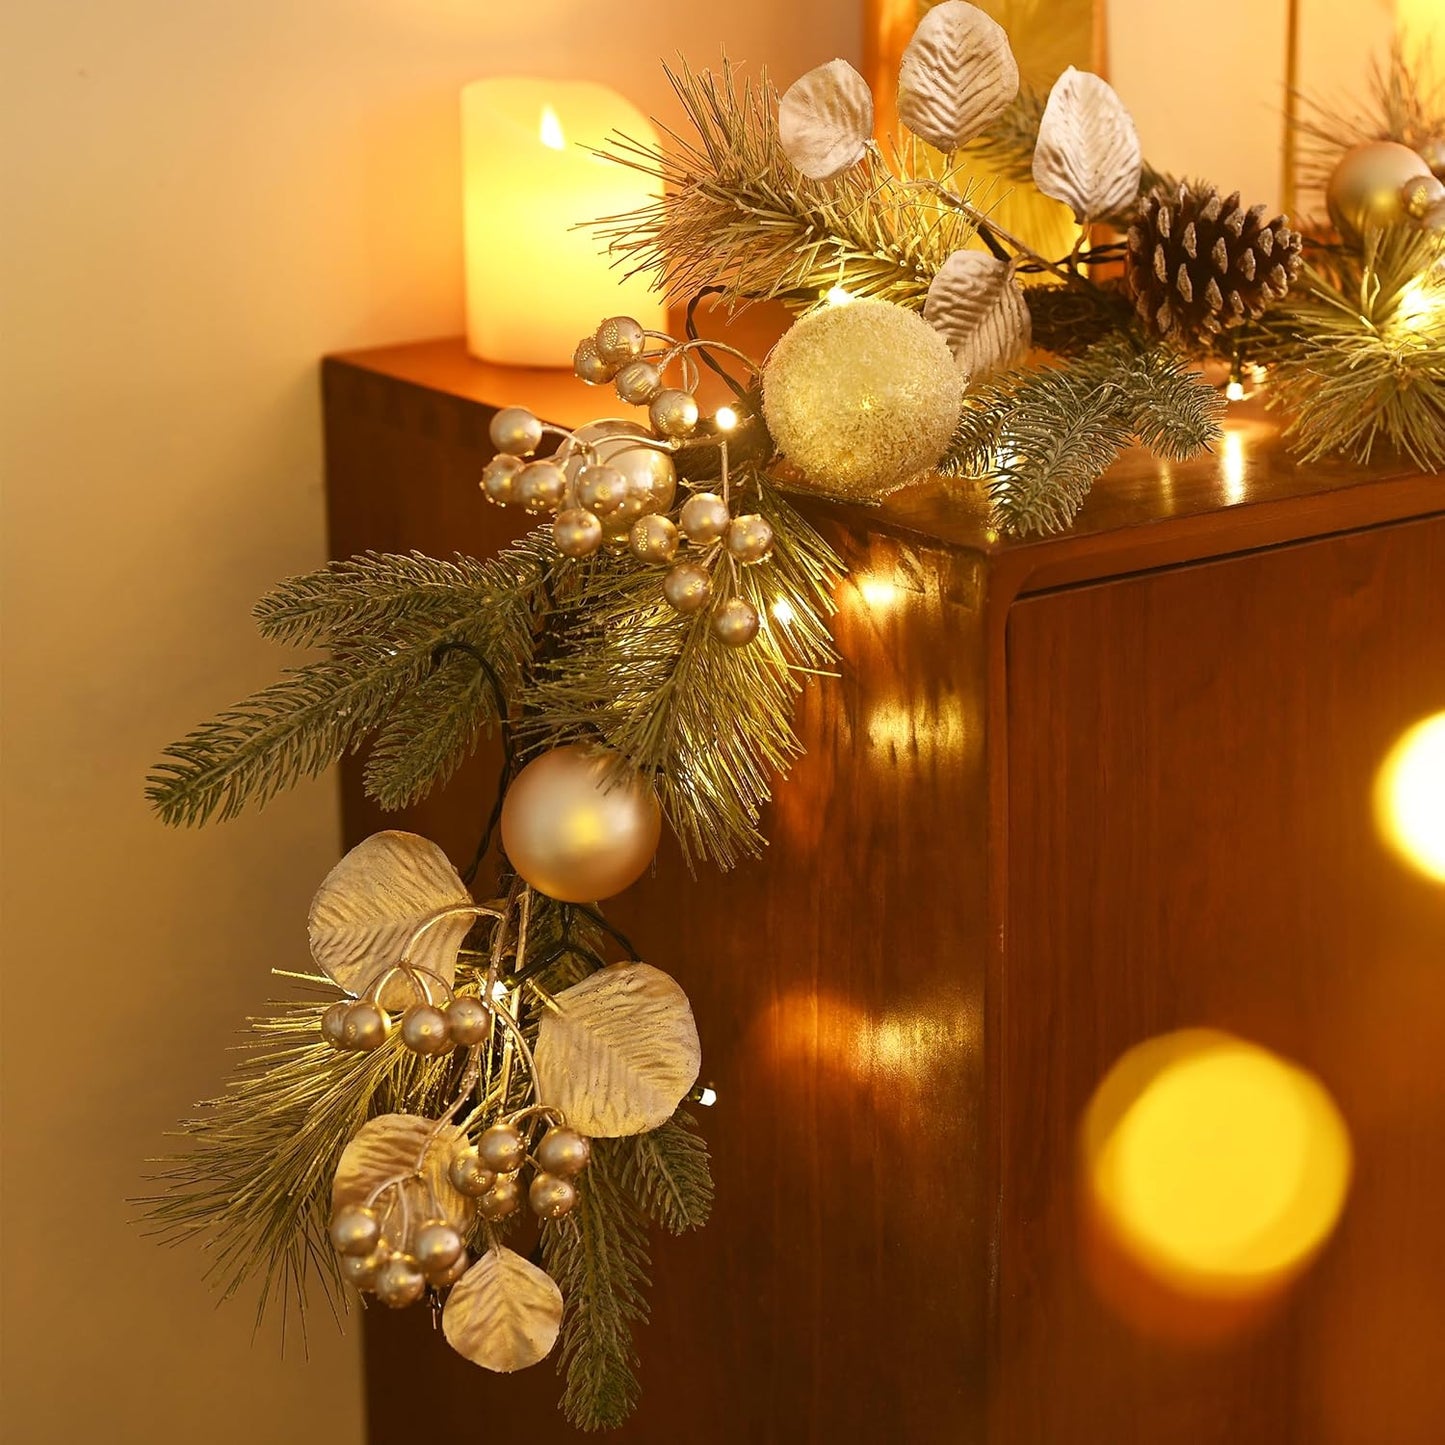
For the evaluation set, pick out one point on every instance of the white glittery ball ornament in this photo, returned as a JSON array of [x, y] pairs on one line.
[[862, 398]]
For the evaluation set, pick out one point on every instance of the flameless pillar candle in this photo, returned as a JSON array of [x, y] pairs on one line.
[[535, 285]]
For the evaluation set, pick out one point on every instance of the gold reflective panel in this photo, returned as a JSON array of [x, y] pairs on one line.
[[1410, 797], [1213, 1170]]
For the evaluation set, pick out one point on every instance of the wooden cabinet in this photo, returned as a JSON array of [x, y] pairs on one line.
[[1066, 795]]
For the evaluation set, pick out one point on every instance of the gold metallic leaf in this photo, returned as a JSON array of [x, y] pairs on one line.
[[619, 1052], [957, 77], [974, 303], [371, 903], [825, 119], [504, 1313], [1088, 150], [390, 1145]]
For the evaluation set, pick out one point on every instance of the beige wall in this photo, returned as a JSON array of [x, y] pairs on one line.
[[199, 198], [1205, 83]]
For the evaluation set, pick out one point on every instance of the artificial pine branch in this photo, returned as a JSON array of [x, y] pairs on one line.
[[667, 1172], [709, 724], [383, 617], [1041, 438], [738, 214], [1357, 358], [255, 1180], [598, 1256]]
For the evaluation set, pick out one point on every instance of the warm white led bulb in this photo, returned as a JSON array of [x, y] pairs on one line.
[[725, 418]]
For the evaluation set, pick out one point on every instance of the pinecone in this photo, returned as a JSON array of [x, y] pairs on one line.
[[1198, 263]]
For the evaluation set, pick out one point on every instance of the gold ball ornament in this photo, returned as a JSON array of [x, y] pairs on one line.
[[704, 517], [514, 429], [735, 622], [1365, 188], [588, 365], [1432, 152], [469, 1174], [361, 1270], [750, 538], [355, 1230], [550, 1196], [468, 1021], [687, 587], [449, 1274], [578, 830], [653, 539], [437, 1246], [499, 478], [333, 1024], [673, 413], [577, 532], [400, 1283], [1421, 196], [424, 1029], [564, 1151], [638, 382], [862, 398], [631, 450], [502, 1199], [501, 1148], [619, 339], [367, 1026], [540, 486], [601, 489]]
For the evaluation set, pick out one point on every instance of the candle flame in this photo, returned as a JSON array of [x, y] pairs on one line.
[[550, 130]]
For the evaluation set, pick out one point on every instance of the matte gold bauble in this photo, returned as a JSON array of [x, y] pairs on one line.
[[564, 1151], [653, 539], [619, 339], [577, 532], [501, 1148], [704, 517], [550, 1196], [750, 538], [469, 1173], [449, 1274], [636, 454], [1365, 188], [1432, 152], [735, 622], [367, 1026], [424, 1029], [514, 429], [400, 1283], [1421, 196], [540, 486], [862, 398], [588, 364], [638, 382], [673, 413], [687, 587], [355, 1230], [361, 1270], [502, 1199], [600, 489], [333, 1024], [437, 1245], [576, 829], [499, 479]]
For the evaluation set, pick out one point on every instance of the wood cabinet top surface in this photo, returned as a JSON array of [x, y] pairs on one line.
[[1248, 492]]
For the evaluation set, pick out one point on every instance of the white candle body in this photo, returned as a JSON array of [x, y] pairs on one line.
[[535, 285]]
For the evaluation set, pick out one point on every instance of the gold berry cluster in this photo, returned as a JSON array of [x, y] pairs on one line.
[[458, 1021], [613, 483], [489, 1171]]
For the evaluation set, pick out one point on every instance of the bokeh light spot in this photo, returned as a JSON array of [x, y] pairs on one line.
[[1410, 797], [1217, 1168]]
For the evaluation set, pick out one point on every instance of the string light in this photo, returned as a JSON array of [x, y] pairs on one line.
[[725, 418], [1234, 391], [838, 296], [782, 611], [1410, 797]]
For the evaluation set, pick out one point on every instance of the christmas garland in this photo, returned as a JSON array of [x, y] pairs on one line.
[[473, 1054]]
